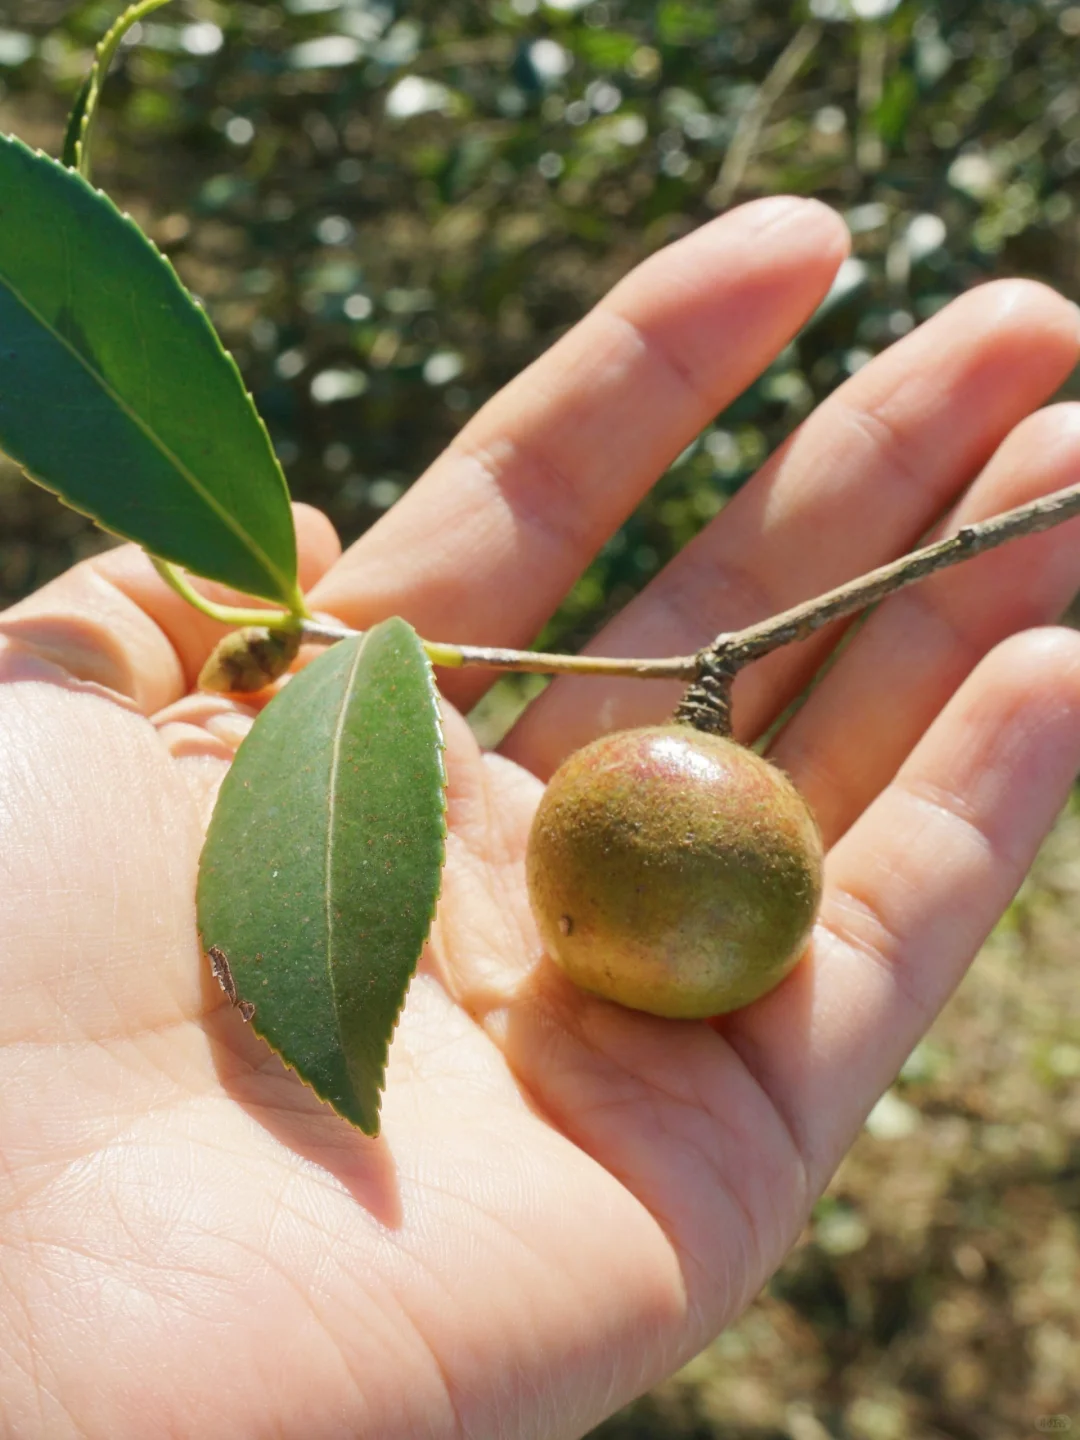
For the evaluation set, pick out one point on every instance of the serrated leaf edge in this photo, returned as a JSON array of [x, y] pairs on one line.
[[288, 592], [354, 1119], [80, 122]]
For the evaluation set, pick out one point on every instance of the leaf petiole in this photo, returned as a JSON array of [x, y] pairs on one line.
[[176, 580]]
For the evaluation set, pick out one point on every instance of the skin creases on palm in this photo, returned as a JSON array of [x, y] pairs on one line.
[[177, 1190]]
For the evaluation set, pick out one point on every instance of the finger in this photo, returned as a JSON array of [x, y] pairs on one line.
[[113, 621], [913, 889], [218, 722], [90, 630], [862, 479], [202, 733], [486, 544], [100, 846], [857, 726]]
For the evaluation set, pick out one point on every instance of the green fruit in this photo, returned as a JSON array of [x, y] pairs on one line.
[[674, 871]]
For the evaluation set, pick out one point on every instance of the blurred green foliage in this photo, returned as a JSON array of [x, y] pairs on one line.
[[391, 209]]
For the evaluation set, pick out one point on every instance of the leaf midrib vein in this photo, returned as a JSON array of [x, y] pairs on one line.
[[242, 535], [331, 819]]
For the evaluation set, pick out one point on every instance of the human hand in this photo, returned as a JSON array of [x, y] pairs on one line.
[[567, 1199]]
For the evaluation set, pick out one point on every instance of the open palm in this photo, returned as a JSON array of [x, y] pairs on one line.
[[567, 1199]]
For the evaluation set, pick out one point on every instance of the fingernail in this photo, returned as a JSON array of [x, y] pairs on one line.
[[780, 210]]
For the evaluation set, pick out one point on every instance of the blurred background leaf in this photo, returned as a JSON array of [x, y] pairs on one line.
[[389, 210]]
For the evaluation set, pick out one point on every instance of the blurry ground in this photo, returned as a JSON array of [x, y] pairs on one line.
[[382, 258]]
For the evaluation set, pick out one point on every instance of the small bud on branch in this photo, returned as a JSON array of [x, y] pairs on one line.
[[248, 660]]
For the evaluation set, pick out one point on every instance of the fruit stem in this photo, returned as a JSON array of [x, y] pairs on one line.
[[706, 705]]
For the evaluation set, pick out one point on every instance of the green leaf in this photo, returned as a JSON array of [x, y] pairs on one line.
[[115, 391], [322, 864]]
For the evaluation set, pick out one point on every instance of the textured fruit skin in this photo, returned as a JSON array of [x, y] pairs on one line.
[[674, 871]]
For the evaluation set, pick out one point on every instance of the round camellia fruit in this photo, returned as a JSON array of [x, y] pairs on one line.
[[674, 871]]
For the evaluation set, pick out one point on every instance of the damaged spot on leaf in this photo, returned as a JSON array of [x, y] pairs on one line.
[[224, 976]]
